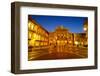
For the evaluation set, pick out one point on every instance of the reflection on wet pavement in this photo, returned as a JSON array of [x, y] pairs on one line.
[[58, 52]]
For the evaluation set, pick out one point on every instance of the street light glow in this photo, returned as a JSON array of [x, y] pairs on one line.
[[76, 42], [85, 29]]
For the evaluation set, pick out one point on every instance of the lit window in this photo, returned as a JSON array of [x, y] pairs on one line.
[[65, 41], [34, 35], [32, 26], [39, 37], [37, 43], [58, 42], [36, 28], [31, 43], [70, 41], [29, 35]]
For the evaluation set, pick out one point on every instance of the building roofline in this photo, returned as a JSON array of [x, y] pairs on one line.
[[30, 18]]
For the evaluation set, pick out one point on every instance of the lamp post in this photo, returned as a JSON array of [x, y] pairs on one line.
[[76, 43]]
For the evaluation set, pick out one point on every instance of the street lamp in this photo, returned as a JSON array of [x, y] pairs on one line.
[[84, 28], [76, 43]]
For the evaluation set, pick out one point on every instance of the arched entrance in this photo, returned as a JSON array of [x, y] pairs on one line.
[[61, 45]]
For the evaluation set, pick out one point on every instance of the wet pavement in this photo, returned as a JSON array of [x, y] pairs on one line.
[[59, 52]]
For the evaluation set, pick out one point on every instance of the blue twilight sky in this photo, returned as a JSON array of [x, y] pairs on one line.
[[74, 24]]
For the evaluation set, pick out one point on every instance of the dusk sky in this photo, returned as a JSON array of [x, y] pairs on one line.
[[74, 24]]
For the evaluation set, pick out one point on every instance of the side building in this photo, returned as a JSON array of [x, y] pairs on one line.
[[79, 39], [86, 30], [37, 35]]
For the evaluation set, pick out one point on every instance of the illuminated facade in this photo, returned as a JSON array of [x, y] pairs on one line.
[[37, 35], [61, 36]]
